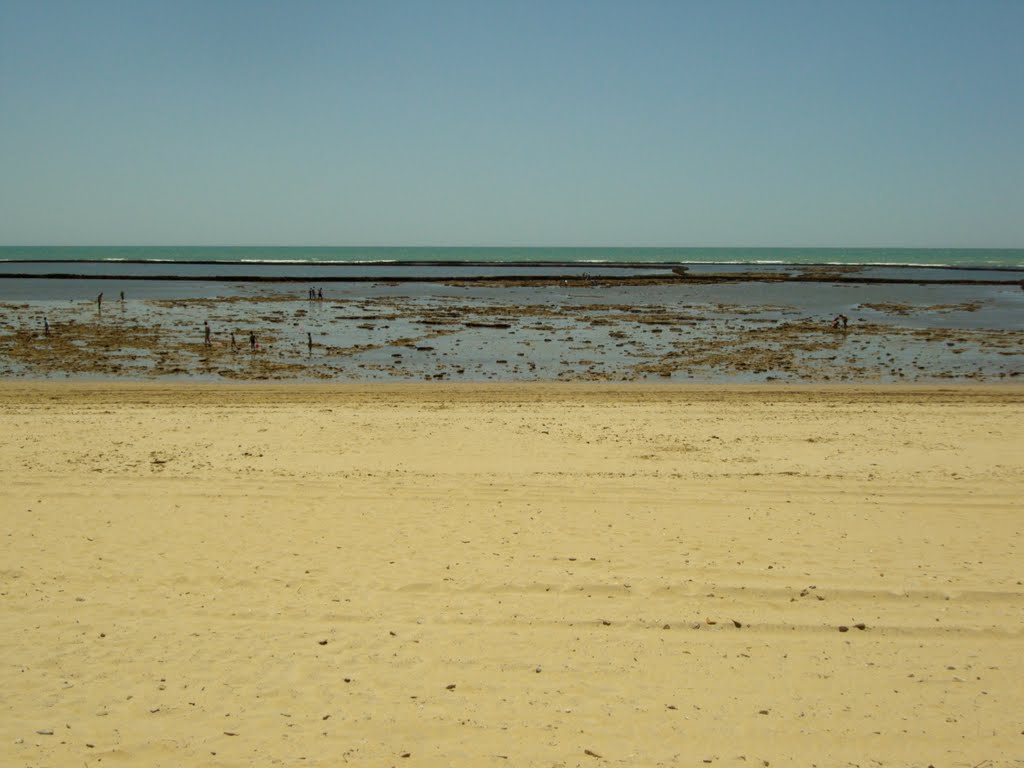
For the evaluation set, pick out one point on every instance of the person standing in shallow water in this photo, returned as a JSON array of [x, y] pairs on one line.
[[252, 341], [309, 341], [206, 333]]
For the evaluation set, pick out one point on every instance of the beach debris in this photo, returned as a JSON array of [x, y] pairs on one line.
[[45, 732], [537, 669], [406, 754], [450, 687], [591, 753], [736, 624], [322, 642], [844, 628], [230, 733], [861, 626]]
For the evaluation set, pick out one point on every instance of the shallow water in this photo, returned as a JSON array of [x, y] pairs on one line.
[[729, 332]]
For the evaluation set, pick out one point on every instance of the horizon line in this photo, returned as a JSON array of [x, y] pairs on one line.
[[510, 247]]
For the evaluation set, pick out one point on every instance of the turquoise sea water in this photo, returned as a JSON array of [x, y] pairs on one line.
[[980, 258]]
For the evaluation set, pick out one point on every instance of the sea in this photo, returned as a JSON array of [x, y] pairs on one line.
[[292, 263], [963, 258]]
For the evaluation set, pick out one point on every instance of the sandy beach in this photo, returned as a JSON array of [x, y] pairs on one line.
[[517, 574]]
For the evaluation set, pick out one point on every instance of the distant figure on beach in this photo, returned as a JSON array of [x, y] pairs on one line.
[[309, 340], [232, 339], [206, 333], [46, 327], [840, 321], [320, 294], [252, 340], [844, 320], [122, 297], [99, 302]]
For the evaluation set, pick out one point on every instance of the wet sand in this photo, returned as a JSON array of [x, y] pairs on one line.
[[511, 575]]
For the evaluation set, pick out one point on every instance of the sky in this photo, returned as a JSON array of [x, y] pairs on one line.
[[547, 123]]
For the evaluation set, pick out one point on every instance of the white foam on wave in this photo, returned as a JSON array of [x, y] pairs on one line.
[[740, 262], [313, 262]]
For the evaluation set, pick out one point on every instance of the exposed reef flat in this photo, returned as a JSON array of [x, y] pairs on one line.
[[589, 328]]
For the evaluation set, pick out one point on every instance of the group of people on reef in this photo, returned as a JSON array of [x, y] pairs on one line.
[[840, 321], [234, 344], [316, 294], [99, 301], [207, 332]]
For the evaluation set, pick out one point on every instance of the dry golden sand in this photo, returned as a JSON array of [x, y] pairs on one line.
[[531, 575]]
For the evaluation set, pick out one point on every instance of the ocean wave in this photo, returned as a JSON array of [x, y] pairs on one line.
[[314, 262], [739, 262], [923, 265], [519, 263]]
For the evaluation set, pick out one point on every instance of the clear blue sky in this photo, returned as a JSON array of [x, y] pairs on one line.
[[512, 123]]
